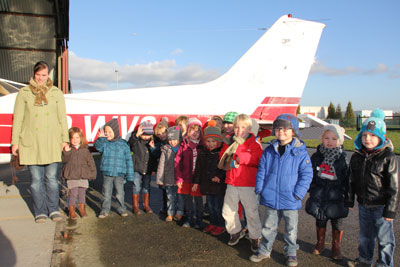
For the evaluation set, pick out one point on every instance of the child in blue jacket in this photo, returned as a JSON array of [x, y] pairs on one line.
[[283, 178], [116, 165]]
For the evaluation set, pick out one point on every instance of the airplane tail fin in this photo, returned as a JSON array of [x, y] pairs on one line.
[[272, 74]]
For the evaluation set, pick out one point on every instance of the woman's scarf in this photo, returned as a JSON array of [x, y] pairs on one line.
[[326, 169], [225, 163], [40, 91]]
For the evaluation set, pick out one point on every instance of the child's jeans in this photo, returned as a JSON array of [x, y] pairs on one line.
[[248, 198], [108, 184], [76, 192], [270, 230], [171, 199], [141, 182], [372, 227], [185, 203], [215, 203]]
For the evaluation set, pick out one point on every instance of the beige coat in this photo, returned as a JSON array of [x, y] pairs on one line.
[[39, 130]]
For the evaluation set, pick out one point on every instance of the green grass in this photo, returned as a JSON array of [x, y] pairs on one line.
[[348, 144]]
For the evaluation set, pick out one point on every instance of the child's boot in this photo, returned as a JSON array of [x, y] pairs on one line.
[[320, 246], [72, 213], [82, 210], [336, 244], [146, 200], [135, 204]]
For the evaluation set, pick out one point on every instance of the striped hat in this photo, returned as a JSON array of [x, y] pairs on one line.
[[193, 121], [147, 127], [213, 131]]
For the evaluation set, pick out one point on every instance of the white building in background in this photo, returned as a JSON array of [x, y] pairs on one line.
[[317, 111], [367, 113]]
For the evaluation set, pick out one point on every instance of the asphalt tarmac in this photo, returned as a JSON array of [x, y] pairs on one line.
[[147, 240]]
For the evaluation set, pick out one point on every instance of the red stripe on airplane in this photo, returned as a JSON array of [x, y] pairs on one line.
[[281, 100], [270, 113]]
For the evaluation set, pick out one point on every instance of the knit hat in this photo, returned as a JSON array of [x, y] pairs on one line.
[[375, 125], [114, 125], [230, 116], [193, 121], [288, 121], [147, 127], [336, 129], [213, 131], [174, 133], [164, 120]]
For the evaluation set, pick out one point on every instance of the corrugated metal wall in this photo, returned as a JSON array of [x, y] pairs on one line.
[[28, 35]]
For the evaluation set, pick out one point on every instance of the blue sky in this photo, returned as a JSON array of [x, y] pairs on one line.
[[154, 43]]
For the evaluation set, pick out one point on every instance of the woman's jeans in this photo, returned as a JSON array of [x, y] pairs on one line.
[[373, 226], [215, 204], [141, 182], [108, 184], [44, 189]]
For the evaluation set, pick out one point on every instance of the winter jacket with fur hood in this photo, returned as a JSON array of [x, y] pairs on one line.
[[249, 154], [283, 181], [374, 178], [39, 131], [78, 164], [166, 166], [327, 196], [206, 169]]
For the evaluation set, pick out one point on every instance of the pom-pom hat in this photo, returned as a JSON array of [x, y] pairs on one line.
[[193, 121], [375, 125], [287, 121], [213, 131]]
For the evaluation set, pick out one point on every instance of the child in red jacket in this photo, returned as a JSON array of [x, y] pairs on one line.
[[240, 160]]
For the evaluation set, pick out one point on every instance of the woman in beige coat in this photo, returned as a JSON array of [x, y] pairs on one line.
[[39, 134]]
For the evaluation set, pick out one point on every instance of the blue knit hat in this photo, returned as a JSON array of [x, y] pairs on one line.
[[287, 121], [374, 124]]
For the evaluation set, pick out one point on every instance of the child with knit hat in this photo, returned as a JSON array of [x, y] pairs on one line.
[[144, 160], [165, 170], [283, 178], [374, 179], [229, 117], [185, 164], [328, 188], [210, 178], [116, 165]]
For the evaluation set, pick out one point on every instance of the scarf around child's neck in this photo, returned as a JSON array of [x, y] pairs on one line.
[[175, 149], [327, 170]]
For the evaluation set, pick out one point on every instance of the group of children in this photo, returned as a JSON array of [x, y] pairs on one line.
[[226, 163]]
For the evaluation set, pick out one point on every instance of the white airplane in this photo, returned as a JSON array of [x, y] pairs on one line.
[[266, 81]]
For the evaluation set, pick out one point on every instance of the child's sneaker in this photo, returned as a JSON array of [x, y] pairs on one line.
[[357, 263], [291, 261], [186, 224], [209, 228], [55, 216], [124, 214], [103, 215], [218, 231], [255, 244], [257, 257], [235, 238], [168, 218]]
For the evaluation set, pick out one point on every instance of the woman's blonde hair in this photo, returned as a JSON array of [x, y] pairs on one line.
[[74, 130], [243, 118], [160, 128]]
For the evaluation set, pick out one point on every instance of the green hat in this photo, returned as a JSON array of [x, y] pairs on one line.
[[230, 116]]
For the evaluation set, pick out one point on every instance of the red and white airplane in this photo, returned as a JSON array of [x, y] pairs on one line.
[[266, 81]]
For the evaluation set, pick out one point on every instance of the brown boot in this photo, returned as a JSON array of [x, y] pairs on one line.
[[336, 244], [82, 210], [146, 200], [135, 204], [72, 213], [320, 246]]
